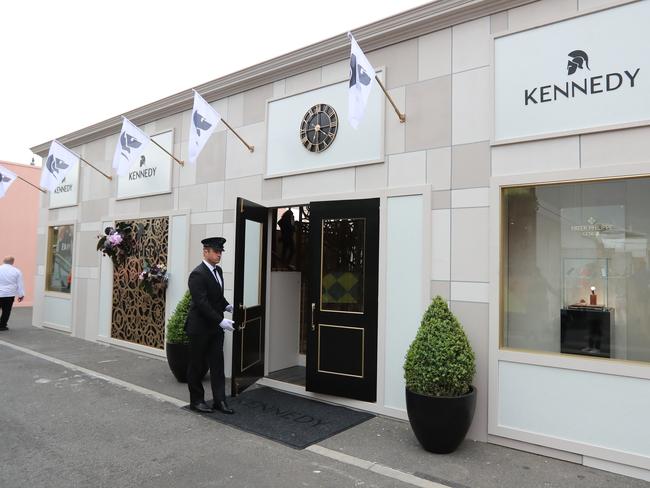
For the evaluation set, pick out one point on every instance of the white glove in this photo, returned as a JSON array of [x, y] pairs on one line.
[[227, 324], [229, 308]]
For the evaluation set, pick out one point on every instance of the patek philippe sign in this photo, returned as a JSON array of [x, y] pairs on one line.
[[587, 72], [66, 194], [152, 174]]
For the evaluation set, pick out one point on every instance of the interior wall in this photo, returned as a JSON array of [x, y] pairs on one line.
[[284, 320]]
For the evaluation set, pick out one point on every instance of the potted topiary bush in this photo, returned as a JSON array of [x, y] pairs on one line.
[[439, 368], [177, 347]]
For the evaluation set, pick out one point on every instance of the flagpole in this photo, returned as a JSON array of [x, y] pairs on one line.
[[30, 184], [402, 117], [250, 148], [173, 157], [96, 169]]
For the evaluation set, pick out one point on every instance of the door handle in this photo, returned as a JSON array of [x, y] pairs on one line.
[[313, 325], [243, 323]]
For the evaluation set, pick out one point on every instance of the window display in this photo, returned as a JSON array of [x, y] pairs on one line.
[[585, 282], [59, 259], [576, 273]]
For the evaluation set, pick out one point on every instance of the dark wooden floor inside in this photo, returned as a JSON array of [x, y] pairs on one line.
[[294, 375]]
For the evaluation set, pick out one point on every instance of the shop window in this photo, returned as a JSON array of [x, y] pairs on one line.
[[59, 259], [575, 269]]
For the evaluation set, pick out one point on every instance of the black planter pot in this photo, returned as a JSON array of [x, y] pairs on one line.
[[440, 423], [178, 358]]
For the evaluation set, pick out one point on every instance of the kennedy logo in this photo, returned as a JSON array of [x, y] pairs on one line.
[[602, 83], [142, 173], [63, 187], [577, 60], [358, 72], [53, 165], [128, 142], [200, 123]]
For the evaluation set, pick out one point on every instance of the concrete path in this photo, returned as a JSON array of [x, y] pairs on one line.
[[78, 413]]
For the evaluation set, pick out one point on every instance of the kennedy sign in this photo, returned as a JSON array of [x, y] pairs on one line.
[[151, 175], [67, 192], [587, 72]]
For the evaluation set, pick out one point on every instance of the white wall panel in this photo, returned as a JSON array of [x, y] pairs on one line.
[[592, 408], [285, 152], [470, 197], [441, 244], [58, 312], [536, 156], [176, 262], [105, 293], [462, 291], [403, 290]]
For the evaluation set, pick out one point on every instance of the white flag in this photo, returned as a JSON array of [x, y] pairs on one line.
[[6, 179], [60, 160], [203, 122], [362, 77], [130, 146]]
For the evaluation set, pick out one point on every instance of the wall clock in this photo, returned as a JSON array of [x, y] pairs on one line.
[[318, 127]]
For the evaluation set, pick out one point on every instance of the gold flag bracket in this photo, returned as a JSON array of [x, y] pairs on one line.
[[30, 184], [250, 148], [182, 163], [96, 168], [402, 117]]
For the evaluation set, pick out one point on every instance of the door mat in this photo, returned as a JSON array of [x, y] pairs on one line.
[[291, 420]]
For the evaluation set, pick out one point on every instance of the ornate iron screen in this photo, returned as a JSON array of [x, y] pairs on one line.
[[137, 316]]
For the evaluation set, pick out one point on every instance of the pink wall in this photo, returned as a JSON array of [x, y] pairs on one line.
[[18, 221]]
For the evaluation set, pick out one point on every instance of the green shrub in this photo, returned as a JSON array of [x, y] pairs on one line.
[[176, 325], [440, 361]]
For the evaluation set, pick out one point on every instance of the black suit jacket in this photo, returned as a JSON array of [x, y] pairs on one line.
[[208, 303]]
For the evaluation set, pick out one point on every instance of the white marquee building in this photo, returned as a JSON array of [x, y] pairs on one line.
[[519, 181]]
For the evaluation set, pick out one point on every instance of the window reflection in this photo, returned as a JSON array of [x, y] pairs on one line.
[[59, 259], [576, 272], [253, 264]]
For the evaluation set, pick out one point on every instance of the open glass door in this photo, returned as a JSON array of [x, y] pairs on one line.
[[249, 295], [342, 338]]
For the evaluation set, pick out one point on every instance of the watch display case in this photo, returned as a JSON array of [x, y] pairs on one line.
[[584, 282], [586, 320]]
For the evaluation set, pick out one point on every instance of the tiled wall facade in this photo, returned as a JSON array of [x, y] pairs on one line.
[[442, 81]]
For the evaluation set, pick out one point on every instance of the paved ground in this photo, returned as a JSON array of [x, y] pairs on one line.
[[64, 425]]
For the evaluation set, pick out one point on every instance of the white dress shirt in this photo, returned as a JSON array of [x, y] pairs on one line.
[[11, 281], [213, 271]]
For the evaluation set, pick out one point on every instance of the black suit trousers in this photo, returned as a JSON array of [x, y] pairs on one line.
[[5, 304], [206, 349]]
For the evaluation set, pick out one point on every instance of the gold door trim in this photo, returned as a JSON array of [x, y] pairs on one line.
[[363, 342]]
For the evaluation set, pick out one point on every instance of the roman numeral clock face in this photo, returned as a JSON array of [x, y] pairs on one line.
[[318, 128]]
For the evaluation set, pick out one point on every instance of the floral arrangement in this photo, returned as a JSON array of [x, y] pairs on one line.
[[153, 278], [118, 242]]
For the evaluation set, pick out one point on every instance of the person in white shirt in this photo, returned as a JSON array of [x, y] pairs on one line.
[[11, 286]]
